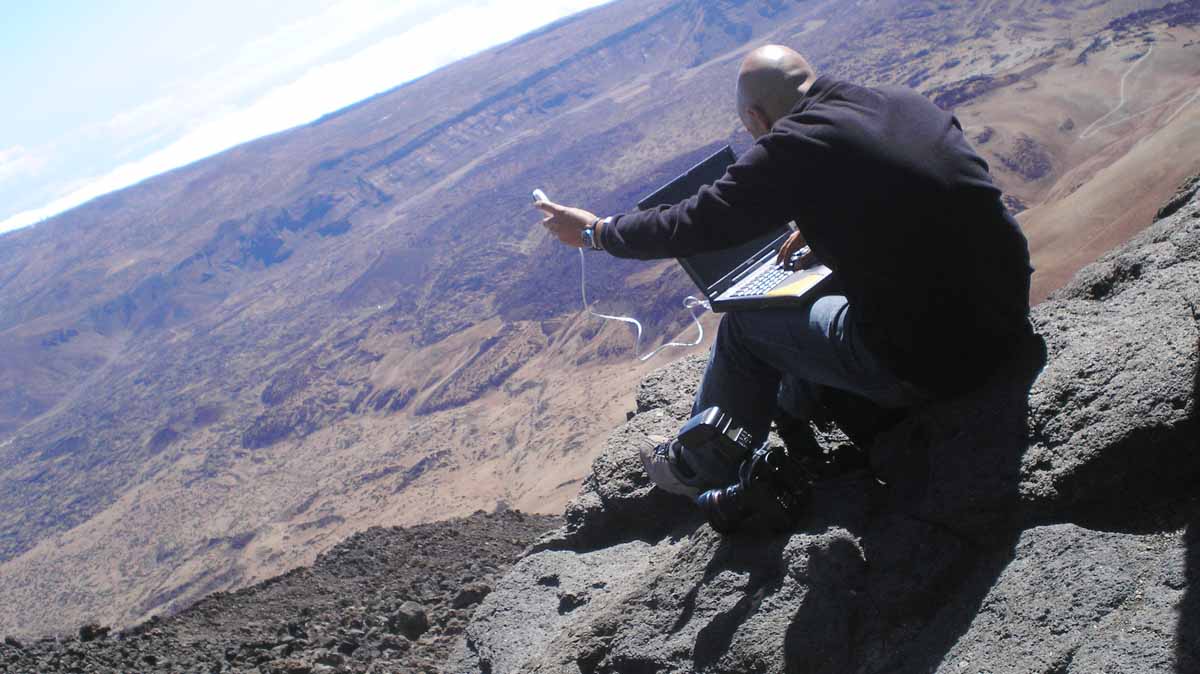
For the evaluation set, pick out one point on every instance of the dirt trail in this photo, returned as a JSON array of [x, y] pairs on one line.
[[1097, 125]]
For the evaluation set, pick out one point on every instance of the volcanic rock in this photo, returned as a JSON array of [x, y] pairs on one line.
[[336, 616], [92, 631], [410, 620], [470, 594], [1045, 522]]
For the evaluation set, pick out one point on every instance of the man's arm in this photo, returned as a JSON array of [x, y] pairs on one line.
[[755, 195]]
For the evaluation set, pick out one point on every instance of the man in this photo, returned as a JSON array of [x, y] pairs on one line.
[[933, 272]]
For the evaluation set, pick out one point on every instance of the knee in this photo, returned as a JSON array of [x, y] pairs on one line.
[[825, 314], [729, 333]]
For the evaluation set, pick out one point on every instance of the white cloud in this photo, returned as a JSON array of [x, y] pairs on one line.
[[261, 63], [464, 29], [145, 115], [16, 160]]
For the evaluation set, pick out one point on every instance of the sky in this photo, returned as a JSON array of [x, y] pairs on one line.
[[101, 94]]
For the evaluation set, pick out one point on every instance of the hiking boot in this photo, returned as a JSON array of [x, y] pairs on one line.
[[797, 436], [661, 459], [802, 447]]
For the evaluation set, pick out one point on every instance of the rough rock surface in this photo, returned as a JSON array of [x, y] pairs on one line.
[[1046, 522], [384, 600]]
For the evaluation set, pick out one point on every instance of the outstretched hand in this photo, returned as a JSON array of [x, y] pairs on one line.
[[565, 222]]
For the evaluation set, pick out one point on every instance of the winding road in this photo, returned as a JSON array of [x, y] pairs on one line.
[[1103, 123]]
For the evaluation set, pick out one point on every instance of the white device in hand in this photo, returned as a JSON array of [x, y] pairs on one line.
[[690, 304]]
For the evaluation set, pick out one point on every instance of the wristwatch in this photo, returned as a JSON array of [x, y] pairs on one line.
[[589, 233]]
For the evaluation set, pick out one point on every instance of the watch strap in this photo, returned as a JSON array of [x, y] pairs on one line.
[[590, 240]]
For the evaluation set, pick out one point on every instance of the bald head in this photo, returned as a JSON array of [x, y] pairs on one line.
[[771, 81]]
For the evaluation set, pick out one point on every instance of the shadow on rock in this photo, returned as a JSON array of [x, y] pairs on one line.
[[940, 527], [763, 563]]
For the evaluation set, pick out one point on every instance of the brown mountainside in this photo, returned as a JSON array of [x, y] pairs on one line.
[[212, 376]]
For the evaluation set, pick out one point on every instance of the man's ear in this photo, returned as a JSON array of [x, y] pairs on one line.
[[762, 123]]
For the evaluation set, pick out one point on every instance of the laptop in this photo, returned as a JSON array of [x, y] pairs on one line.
[[745, 276]]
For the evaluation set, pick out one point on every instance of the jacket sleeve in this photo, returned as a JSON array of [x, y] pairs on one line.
[[755, 195]]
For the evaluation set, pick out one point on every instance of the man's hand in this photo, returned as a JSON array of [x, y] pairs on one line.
[[790, 247], [565, 222]]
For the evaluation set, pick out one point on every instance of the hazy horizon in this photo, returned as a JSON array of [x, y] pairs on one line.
[[166, 86]]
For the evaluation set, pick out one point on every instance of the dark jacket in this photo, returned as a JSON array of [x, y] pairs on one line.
[[890, 195]]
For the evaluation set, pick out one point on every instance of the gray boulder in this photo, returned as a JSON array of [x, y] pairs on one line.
[[1045, 522], [410, 619], [470, 594]]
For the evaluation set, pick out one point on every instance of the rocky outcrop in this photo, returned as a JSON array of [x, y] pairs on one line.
[[384, 600], [1045, 522]]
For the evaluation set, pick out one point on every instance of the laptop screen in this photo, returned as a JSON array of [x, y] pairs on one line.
[[708, 269]]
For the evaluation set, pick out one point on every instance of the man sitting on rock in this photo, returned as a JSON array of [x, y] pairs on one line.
[[933, 272]]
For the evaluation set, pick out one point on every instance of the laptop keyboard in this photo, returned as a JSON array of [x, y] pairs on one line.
[[768, 277]]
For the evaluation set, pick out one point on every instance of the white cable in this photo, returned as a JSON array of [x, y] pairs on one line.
[[690, 303]]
